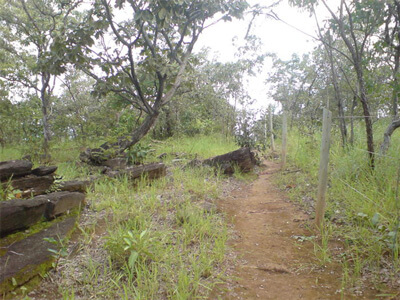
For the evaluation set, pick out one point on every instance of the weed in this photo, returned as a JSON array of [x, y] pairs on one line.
[[7, 192], [60, 251]]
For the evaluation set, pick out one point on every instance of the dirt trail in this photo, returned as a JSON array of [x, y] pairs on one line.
[[271, 265]]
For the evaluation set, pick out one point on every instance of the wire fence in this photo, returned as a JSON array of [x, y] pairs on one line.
[[335, 174]]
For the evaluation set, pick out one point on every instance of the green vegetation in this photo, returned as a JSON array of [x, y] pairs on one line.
[[363, 207], [163, 239]]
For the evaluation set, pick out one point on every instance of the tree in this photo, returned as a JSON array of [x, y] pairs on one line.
[[355, 23], [151, 48], [30, 33], [392, 43]]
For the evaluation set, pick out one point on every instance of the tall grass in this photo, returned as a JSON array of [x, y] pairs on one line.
[[361, 203]]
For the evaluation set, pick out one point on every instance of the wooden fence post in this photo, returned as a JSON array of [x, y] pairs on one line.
[[284, 138], [323, 167], [271, 128]]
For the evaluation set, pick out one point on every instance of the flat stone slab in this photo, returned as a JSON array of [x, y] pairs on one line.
[[61, 202], [33, 185], [44, 170], [19, 214], [14, 168], [75, 186], [26, 258], [116, 163]]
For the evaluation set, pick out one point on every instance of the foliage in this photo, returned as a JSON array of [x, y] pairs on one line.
[[136, 154], [159, 238], [7, 192], [61, 250], [138, 246]]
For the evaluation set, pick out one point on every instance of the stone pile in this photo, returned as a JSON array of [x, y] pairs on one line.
[[36, 196]]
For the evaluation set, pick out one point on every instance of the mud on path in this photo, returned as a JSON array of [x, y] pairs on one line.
[[271, 265]]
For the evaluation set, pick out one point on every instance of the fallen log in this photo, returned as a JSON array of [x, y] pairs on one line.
[[243, 159], [151, 171]]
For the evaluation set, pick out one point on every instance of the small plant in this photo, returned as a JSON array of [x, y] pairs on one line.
[[7, 192], [321, 250], [55, 187], [57, 253], [138, 245], [137, 154]]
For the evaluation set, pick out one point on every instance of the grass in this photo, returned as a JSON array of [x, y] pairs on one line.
[[363, 208], [147, 240], [160, 243]]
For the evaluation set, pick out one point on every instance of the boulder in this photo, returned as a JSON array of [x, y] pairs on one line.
[[21, 213], [243, 158], [14, 168]]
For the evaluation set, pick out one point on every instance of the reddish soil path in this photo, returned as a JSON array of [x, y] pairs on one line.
[[271, 264]]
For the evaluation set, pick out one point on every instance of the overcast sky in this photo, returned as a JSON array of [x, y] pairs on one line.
[[276, 37]]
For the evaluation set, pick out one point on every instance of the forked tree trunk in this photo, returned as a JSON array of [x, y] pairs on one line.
[[387, 135]]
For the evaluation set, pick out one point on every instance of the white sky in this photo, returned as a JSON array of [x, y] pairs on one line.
[[276, 37]]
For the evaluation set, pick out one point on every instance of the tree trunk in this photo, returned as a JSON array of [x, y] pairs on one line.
[[367, 119], [387, 135], [338, 97], [353, 106], [395, 106], [45, 118], [97, 156]]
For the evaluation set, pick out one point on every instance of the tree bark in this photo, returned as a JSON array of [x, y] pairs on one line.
[[353, 106], [338, 97], [45, 117], [387, 135]]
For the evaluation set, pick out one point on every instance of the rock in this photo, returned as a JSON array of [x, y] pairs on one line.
[[27, 258], [33, 185], [60, 202], [74, 186], [162, 156], [243, 158], [116, 163], [44, 170], [14, 168], [20, 213], [151, 171]]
